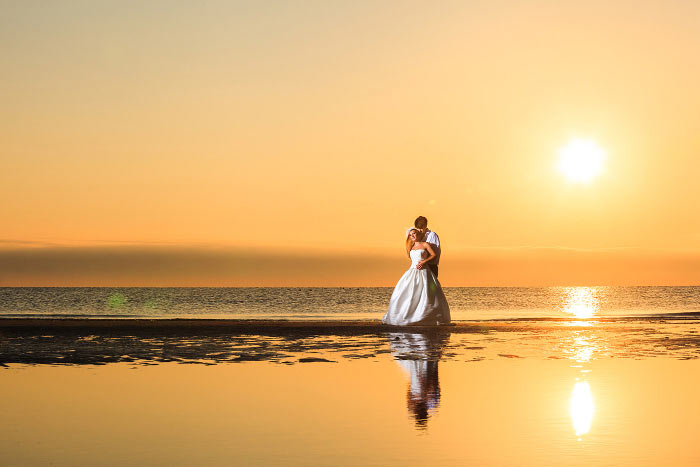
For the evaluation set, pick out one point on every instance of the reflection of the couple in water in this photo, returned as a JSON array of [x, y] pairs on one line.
[[419, 354]]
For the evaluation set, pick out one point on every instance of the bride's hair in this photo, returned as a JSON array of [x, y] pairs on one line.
[[409, 242]]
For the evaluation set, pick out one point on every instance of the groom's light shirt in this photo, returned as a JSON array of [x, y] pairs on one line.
[[432, 238]]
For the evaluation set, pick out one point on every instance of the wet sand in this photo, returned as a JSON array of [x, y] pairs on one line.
[[149, 341], [314, 393], [505, 412]]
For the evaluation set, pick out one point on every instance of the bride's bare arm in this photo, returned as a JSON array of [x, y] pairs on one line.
[[431, 252]]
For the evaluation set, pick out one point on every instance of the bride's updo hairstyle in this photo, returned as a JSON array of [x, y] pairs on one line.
[[409, 242]]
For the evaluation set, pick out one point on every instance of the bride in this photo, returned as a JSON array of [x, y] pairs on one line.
[[418, 298]]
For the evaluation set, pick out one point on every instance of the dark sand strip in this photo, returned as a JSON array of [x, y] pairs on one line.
[[267, 327], [233, 326]]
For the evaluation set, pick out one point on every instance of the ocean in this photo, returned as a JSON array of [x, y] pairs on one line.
[[336, 303]]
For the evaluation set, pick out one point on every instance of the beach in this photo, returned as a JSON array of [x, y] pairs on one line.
[[175, 392], [551, 388], [96, 340]]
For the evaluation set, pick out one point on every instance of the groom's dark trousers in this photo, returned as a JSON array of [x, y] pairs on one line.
[[434, 268]]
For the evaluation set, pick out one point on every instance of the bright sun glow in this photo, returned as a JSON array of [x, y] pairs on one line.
[[581, 407], [581, 160], [582, 302]]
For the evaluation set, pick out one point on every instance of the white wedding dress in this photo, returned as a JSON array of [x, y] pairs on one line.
[[418, 298]]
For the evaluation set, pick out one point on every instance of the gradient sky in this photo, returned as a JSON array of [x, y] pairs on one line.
[[291, 143]]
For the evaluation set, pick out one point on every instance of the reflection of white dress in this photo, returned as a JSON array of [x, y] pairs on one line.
[[417, 298], [419, 355]]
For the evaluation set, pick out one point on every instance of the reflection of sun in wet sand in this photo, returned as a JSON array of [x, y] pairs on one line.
[[581, 407], [582, 302], [583, 349]]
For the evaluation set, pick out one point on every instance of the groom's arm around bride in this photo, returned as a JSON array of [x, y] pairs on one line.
[[421, 223]]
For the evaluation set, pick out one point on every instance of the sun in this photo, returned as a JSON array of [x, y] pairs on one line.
[[581, 160]]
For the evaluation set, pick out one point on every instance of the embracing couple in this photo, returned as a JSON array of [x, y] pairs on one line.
[[418, 298]]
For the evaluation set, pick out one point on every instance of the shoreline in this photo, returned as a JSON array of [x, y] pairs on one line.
[[285, 326], [237, 326], [210, 341]]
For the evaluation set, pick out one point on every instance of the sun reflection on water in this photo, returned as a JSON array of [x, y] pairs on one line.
[[581, 408], [583, 349], [582, 302]]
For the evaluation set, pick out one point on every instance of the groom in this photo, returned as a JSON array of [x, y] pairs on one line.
[[421, 223]]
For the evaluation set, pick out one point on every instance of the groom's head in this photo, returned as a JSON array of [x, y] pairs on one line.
[[421, 223]]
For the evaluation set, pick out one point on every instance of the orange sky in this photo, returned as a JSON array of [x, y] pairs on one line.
[[313, 133]]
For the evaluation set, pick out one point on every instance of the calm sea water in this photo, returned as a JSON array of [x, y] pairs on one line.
[[467, 303]]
